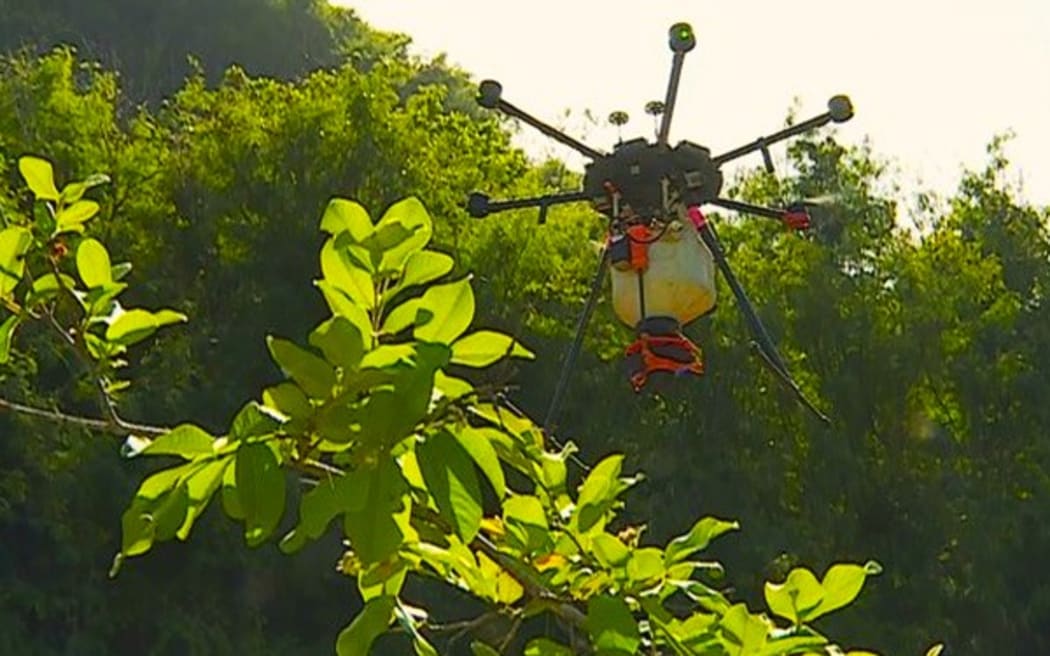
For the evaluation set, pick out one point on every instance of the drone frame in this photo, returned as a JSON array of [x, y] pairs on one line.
[[696, 186]]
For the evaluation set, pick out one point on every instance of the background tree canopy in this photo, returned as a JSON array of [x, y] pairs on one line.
[[927, 345]]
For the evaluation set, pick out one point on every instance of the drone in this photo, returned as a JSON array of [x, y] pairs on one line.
[[661, 250]]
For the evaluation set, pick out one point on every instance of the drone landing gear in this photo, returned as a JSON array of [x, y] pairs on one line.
[[661, 350]]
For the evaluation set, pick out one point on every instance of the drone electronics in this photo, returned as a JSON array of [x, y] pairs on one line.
[[661, 249]]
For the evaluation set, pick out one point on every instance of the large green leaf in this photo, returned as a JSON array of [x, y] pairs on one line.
[[74, 216], [611, 626], [340, 270], [315, 376], [476, 443], [599, 491], [420, 268], [288, 399], [697, 538], [341, 305], [841, 585], [340, 341], [14, 242], [401, 317], [260, 491], [185, 440], [252, 421], [370, 623], [133, 326], [381, 524], [451, 309], [411, 216], [485, 347], [7, 331], [330, 498], [39, 176], [743, 632], [346, 215], [148, 520], [795, 598], [200, 488], [449, 474], [93, 263]]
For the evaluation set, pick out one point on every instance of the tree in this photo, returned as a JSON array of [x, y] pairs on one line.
[[392, 443]]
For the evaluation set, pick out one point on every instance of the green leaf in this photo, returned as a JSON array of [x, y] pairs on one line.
[[796, 597], [231, 501], [260, 490], [75, 215], [526, 522], [315, 376], [841, 585], [7, 331], [697, 538], [379, 527], [136, 325], [47, 286], [341, 305], [252, 421], [340, 341], [420, 268], [546, 647], [743, 630], [345, 215], [599, 491], [609, 550], [477, 445], [329, 499], [451, 481], [288, 399], [485, 347], [200, 488], [370, 623], [410, 215], [612, 628], [645, 565], [74, 191], [149, 520], [39, 176], [451, 308], [185, 440], [93, 263], [14, 243], [341, 271], [401, 317]]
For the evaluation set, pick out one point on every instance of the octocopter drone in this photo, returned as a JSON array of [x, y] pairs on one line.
[[661, 249]]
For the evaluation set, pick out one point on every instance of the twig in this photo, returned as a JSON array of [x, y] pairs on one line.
[[103, 425]]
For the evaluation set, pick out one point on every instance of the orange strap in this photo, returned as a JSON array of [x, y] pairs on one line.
[[638, 235], [670, 354]]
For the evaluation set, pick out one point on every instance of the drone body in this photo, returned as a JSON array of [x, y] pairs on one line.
[[661, 249]]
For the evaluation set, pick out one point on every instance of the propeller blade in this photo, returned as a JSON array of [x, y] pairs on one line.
[[762, 342]]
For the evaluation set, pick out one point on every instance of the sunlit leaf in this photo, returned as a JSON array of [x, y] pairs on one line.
[[477, 444], [485, 347], [451, 309], [611, 626], [340, 341], [39, 176], [7, 331], [697, 538], [14, 242], [370, 623], [135, 325], [449, 474], [342, 214], [260, 491], [200, 487], [93, 263], [315, 376], [185, 440]]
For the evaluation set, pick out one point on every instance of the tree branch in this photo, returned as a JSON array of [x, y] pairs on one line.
[[121, 428]]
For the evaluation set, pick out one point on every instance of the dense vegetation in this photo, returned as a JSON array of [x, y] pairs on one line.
[[926, 346]]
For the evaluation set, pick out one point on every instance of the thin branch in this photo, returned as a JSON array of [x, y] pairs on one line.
[[102, 425]]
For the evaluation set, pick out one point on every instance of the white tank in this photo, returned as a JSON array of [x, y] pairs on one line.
[[679, 281]]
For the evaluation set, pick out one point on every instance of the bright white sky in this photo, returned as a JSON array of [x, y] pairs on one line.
[[932, 80]]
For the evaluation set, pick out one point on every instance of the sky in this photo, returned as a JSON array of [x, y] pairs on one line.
[[932, 81]]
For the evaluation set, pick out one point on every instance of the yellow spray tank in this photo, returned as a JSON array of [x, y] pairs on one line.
[[669, 272]]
